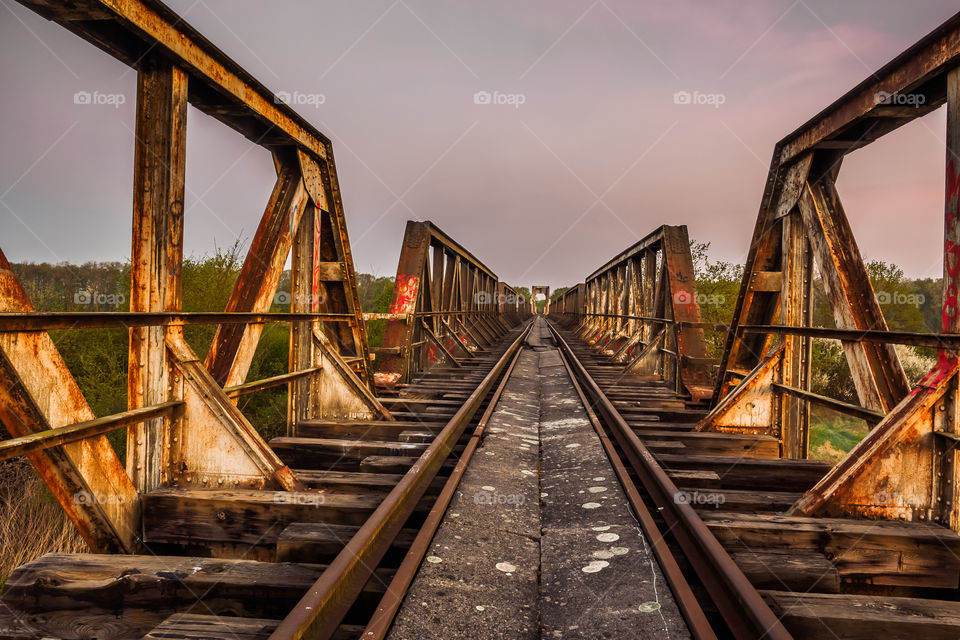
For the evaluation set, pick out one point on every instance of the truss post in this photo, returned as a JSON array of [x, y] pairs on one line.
[[157, 255]]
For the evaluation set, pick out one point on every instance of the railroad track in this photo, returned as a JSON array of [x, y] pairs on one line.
[[738, 565], [247, 564]]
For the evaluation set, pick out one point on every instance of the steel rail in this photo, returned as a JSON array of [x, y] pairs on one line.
[[386, 611], [697, 623], [320, 611], [738, 602]]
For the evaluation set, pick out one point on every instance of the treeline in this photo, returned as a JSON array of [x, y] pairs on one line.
[[908, 305], [98, 357]]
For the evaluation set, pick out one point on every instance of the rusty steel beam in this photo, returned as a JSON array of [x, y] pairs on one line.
[[221, 88], [862, 114], [948, 341], [269, 383], [156, 271], [641, 308], [60, 436], [451, 306], [233, 345], [906, 468], [859, 117], [47, 321]]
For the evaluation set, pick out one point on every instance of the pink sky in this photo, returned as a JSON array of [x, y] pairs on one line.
[[597, 155]]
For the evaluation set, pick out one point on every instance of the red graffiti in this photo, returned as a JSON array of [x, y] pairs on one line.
[[944, 367], [450, 344], [315, 279], [947, 360], [432, 352], [463, 338], [949, 310], [405, 296]]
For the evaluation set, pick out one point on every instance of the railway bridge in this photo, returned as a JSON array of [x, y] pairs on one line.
[[488, 471]]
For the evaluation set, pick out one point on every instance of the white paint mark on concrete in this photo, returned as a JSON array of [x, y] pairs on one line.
[[595, 566], [591, 505], [434, 559], [506, 567], [607, 537]]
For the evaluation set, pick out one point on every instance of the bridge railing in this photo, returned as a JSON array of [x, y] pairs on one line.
[[446, 308], [906, 468], [183, 425], [641, 308]]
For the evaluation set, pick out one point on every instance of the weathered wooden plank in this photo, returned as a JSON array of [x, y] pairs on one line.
[[244, 516], [309, 453], [395, 464], [829, 616], [877, 552], [357, 481], [320, 543], [798, 571], [752, 473], [125, 596], [362, 429], [192, 626]]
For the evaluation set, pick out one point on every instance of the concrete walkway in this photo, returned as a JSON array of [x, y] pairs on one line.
[[540, 541]]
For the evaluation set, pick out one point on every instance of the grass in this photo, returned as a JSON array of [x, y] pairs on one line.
[[32, 522], [833, 435]]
